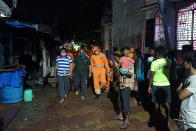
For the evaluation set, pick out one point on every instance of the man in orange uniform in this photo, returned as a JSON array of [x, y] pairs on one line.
[[100, 68]]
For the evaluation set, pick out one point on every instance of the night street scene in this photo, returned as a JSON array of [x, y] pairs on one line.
[[97, 65]]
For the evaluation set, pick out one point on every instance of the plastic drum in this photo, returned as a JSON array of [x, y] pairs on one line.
[[10, 94]]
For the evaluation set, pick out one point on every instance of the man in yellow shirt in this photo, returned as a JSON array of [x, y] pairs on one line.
[[159, 85]]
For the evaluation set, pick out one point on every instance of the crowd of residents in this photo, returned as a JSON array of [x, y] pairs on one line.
[[164, 78]]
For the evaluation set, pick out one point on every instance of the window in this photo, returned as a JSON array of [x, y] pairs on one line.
[[186, 27], [159, 31]]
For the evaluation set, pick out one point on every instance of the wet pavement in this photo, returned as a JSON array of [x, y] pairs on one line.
[[45, 114]]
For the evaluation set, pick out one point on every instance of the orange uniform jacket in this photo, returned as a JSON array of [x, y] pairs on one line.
[[100, 67], [99, 59]]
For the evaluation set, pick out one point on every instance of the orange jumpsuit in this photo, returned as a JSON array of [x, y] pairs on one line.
[[99, 65]]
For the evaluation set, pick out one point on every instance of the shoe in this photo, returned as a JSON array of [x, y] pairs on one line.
[[77, 93], [61, 101], [83, 98], [97, 97]]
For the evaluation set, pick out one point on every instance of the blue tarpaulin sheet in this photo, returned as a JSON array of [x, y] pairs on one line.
[[19, 25], [11, 78]]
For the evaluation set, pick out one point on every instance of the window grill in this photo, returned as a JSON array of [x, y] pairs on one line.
[[186, 27]]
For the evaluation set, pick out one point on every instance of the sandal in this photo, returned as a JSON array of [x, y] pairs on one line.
[[135, 101], [117, 118], [125, 126]]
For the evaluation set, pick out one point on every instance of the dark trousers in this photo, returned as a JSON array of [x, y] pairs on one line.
[[142, 91], [64, 85], [124, 100], [80, 80]]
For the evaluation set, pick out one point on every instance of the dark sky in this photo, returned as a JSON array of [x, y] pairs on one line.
[[68, 17]]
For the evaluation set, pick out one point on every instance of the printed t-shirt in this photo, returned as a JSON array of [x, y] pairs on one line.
[[161, 68]]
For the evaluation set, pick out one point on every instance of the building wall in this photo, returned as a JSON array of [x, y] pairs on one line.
[[150, 14], [127, 22], [171, 23]]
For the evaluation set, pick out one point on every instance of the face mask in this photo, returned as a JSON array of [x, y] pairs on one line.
[[82, 54], [96, 52], [63, 54]]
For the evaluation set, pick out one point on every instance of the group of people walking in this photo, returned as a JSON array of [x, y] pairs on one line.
[[83, 67], [130, 74]]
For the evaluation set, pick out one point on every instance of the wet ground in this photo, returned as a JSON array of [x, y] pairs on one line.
[[45, 114]]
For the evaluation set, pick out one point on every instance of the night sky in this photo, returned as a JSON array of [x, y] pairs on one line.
[[67, 17]]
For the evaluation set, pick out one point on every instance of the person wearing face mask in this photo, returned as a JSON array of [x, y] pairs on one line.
[[100, 68], [81, 71], [63, 69]]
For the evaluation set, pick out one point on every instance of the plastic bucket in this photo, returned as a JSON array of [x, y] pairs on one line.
[[10, 94]]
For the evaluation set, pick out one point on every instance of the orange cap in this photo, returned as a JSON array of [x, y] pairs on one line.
[[95, 48]]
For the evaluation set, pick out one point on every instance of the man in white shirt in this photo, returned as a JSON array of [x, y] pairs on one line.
[[187, 93]]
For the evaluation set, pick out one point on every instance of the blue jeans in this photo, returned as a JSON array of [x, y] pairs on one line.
[[80, 80], [124, 100], [64, 85]]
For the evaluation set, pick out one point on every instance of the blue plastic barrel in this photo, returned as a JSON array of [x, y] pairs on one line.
[[10, 94]]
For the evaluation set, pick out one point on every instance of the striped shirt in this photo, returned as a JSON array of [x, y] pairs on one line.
[[63, 65]]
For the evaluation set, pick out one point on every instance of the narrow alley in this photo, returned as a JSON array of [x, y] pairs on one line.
[[45, 114]]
